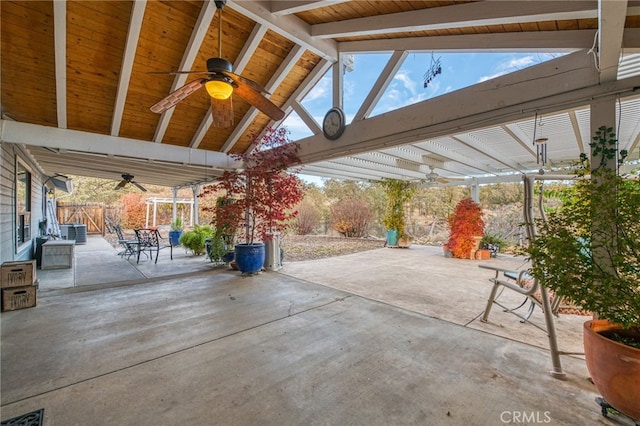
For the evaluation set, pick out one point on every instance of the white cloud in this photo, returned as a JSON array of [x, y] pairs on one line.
[[407, 82], [320, 91], [518, 63], [513, 64]]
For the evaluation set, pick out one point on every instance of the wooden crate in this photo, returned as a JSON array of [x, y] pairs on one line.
[[18, 274], [14, 298]]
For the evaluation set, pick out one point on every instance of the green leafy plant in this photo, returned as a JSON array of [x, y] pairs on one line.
[[218, 248], [493, 239], [466, 224], [177, 224], [588, 250], [399, 192], [195, 240]]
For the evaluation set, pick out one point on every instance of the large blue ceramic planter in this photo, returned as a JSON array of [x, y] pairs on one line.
[[174, 238], [392, 238], [249, 257]]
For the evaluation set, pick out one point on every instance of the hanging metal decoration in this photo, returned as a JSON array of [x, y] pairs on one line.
[[433, 71]]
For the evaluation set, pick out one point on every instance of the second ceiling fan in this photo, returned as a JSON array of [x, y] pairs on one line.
[[220, 82], [432, 178]]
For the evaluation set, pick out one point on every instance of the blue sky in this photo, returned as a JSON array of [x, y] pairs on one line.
[[459, 70]]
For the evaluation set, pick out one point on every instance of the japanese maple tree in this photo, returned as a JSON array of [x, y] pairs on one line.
[[265, 191], [465, 223]]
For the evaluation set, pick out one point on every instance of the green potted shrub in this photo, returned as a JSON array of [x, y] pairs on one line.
[[195, 240], [176, 230], [588, 251], [466, 229], [217, 249], [398, 192]]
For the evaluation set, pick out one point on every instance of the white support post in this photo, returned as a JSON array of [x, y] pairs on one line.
[[174, 213], [475, 191], [146, 220], [338, 81], [194, 208], [155, 212]]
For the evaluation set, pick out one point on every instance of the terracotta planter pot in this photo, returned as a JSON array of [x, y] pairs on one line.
[[614, 367], [482, 254], [404, 242]]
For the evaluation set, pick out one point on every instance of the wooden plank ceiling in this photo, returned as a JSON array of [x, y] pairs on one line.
[[85, 66]]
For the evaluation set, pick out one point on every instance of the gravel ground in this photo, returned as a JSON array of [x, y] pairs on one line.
[[305, 247], [309, 247]]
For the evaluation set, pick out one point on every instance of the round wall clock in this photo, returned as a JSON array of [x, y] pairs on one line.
[[333, 124]]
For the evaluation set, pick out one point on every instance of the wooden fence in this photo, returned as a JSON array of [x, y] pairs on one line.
[[96, 216]]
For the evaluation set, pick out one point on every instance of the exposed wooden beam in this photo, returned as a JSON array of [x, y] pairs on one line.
[[611, 17], [60, 41], [537, 41], [288, 7], [384, 79], [73, 140], [135, 25], [458, 16], [289, 26]]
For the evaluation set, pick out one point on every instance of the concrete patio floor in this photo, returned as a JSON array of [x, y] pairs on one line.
[[384, 337]]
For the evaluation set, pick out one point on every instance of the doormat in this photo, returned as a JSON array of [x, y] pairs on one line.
[[34, 418]]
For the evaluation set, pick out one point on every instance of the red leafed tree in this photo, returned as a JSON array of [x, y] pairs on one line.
[[133, 211], [264, 192], [465, 223]]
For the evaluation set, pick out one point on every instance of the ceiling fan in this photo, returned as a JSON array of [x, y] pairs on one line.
[[220, 83], [127, 178], [432, 178]]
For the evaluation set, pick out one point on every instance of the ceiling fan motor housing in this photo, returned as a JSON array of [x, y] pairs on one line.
[[218, 65]]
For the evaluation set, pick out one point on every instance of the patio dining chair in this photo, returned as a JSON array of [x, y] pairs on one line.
[[129, 246], [149, 241]]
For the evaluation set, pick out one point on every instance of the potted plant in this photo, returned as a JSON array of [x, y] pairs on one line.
[[588, 251], [466, 229], [217, 249], [195, 240], [263, 193], [177, 227], [398, 193]]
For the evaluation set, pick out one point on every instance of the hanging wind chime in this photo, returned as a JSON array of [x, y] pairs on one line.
[[539, 143]]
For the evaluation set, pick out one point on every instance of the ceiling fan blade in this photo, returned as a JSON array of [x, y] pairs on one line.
[[177, 72], [222, 112], [452, 179], [121, 184], [143, 189], [256, 99], [238, 79], [178, 95]]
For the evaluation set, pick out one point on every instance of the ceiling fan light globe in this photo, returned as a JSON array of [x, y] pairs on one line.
[[218, 89]]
